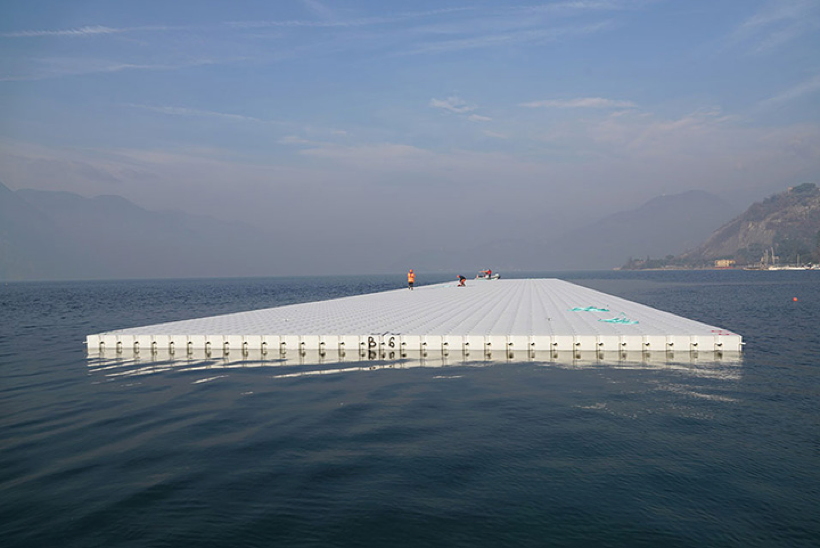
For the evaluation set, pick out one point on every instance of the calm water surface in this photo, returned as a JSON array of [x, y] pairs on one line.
[[526, 453]]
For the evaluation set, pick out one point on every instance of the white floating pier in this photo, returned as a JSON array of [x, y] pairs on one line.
[[525, 315]]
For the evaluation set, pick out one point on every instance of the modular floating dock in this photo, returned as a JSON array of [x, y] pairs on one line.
[[521, 316]]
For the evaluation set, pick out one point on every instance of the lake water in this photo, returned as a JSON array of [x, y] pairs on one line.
[[689, 452]]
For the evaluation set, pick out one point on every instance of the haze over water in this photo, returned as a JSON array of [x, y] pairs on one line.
[[684, 452]]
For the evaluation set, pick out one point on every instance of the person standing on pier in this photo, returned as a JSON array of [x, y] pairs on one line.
[[411, 279]]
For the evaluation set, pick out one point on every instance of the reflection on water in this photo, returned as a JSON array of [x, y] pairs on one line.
[[307, 363]]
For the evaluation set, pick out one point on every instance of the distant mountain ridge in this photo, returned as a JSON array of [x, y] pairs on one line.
[[668, 224], [33, 245], [787, 223], [50, 235]]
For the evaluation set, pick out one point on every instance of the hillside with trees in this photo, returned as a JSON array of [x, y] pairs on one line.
[[782, 229]]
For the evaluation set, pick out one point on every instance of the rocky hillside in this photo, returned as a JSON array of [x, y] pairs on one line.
[[787, 223]]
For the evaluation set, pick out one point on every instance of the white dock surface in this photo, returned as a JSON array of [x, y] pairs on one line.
[[515, 315]]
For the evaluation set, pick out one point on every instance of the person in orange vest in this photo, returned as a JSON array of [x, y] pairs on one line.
[[411, 279]]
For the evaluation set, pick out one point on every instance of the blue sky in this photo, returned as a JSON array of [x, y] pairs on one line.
[[351, 121]]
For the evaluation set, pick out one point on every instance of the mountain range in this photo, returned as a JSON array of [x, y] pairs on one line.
[[784, 227], [47, 235], [59, 235], [668, 224]]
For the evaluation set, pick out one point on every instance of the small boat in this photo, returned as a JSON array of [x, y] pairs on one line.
[[483, 276]]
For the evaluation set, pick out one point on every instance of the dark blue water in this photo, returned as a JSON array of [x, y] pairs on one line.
[[485, 454]]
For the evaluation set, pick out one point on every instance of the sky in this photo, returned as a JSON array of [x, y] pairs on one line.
[[384, 128]]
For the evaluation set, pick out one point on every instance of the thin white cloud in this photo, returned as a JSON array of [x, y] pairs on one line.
[[479, 118], [361, 22], [503, 18], [183, 111], [452, 104], [636, 134], [495, 134], [318, 9], [539, 36], [580, 102], [61, 67], [777, 23], [91, 30], [324, 133], [804, 88], [295, 140], [583, 6]]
